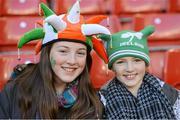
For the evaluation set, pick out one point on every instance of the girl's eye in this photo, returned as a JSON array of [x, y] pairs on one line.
[[81, 53], [137, 60], [63, 51], [119, 62]]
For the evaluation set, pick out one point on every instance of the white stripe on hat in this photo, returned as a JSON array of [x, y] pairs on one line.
[[130, 52]]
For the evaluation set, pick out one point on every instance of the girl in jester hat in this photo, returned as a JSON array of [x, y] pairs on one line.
[[134, 93], [59, 85]]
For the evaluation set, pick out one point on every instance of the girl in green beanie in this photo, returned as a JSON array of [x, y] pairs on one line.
[[134, 93]]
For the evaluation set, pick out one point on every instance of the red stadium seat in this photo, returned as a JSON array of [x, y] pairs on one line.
[[172, 68], [0, 7], [12, 28], [87, 6], [174, 5], [157, 63], [99, 73], [9, 60], [126, 21], [21, 7], [113, 24], [140, 6], [167, 28]]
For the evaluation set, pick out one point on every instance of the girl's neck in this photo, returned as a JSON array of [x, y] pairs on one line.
[[59, 86], [134, 90]]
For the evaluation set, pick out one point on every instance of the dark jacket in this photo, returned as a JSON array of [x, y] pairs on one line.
[[9, 106], [8, 102]]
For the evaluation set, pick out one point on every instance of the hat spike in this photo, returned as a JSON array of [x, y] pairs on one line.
[[99, 48], [74, 13], [38, 47], [46, 10], [148, 30], [34, 34], [106, 38], [56, 22], [50, 34], [91, 29], [95, 19]]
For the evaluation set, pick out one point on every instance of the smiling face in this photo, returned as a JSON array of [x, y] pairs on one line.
[[130, 72], [68, 60]]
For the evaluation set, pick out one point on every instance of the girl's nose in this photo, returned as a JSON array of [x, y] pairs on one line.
[[71, 58], [129, 66]]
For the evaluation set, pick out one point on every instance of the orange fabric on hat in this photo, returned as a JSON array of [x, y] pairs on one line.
[[38, 47], [99, 48], [95, 19], [73, 31]]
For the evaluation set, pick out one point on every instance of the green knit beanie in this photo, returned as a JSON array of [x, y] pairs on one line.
[[128, 43]]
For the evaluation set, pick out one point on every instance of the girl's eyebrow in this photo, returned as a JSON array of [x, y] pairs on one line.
[[82, 49], [121, 59], [136, 58], [62, 46]]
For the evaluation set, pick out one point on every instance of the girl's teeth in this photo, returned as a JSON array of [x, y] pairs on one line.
[[68, 69], [130, 76]]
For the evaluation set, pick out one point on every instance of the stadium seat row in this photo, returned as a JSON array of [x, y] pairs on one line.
[[30, 7], [166, 25]]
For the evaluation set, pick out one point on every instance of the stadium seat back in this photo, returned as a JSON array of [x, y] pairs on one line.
[[87, 6], [1, 7], [12, 28], [141, 6], [172, 68], [167, 28], [157, 63], [20, 7], [9, 60]]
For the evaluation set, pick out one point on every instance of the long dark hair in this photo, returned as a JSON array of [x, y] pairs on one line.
[[37, 97]]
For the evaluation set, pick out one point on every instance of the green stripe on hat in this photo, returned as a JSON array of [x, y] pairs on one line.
[[126, 53], [122, 52]]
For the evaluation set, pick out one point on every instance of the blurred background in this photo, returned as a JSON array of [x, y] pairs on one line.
[[19, 16]]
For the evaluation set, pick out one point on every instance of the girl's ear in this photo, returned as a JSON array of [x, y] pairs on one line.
[[148, 69]]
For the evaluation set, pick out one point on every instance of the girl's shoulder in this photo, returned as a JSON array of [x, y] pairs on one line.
[[8, 89], [17, 70], [171, 92], [104, 91]]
